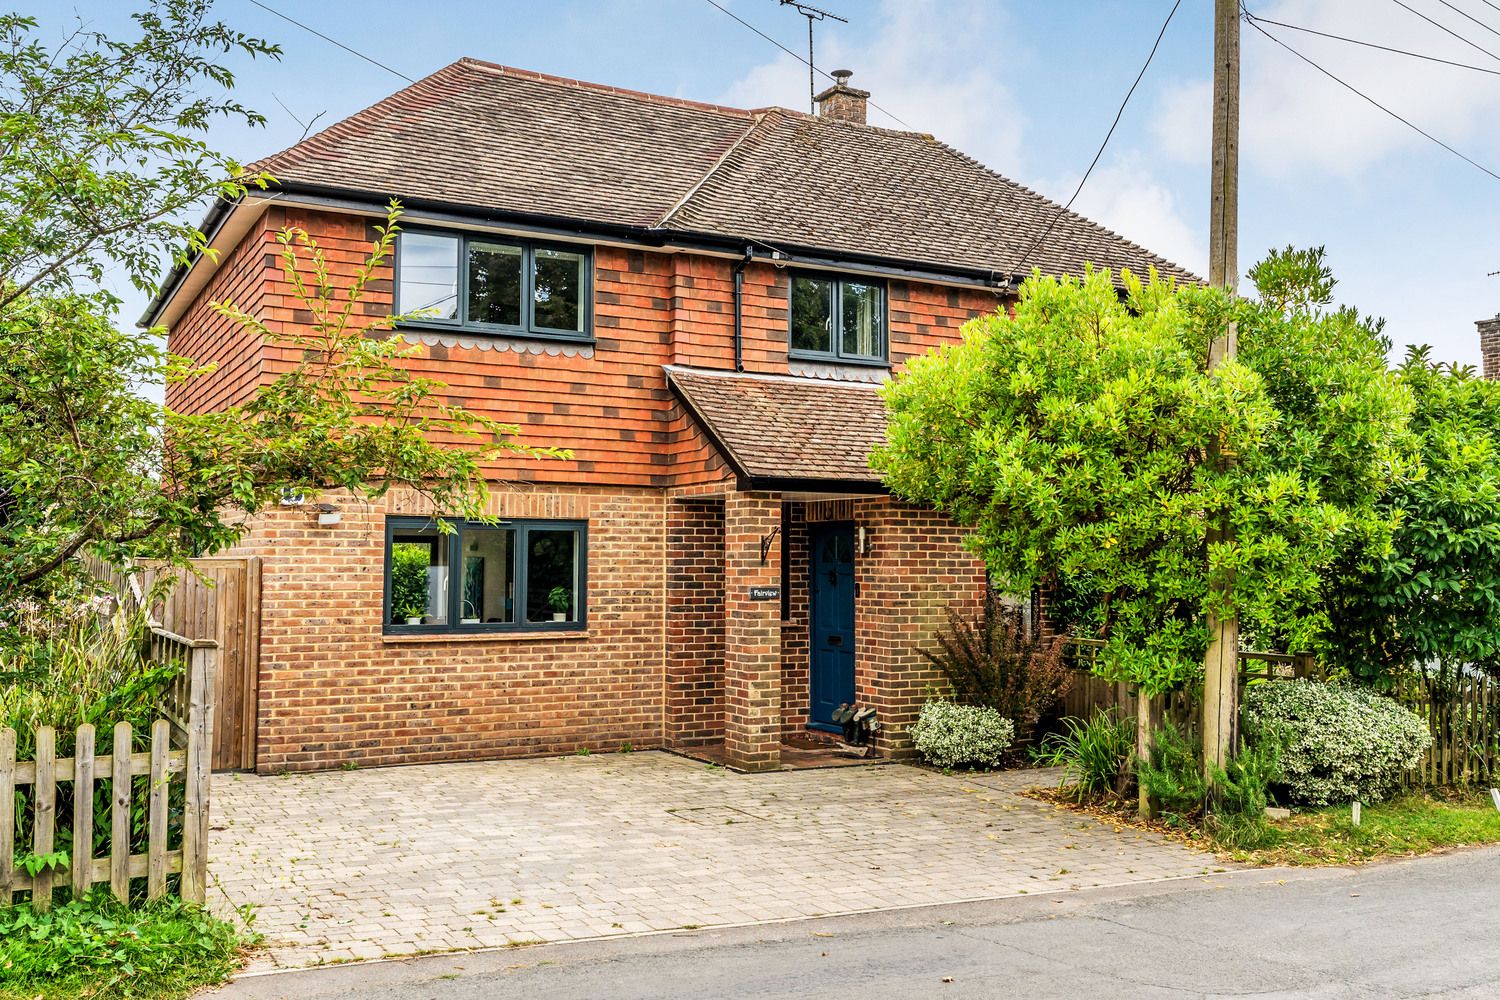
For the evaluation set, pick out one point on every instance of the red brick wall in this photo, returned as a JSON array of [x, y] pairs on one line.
[[695, 621], [334, 688], [795, 651], [752, 633], [916, 567]]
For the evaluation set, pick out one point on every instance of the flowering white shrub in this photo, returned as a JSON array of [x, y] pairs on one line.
[[949, 735], [1338, 743]]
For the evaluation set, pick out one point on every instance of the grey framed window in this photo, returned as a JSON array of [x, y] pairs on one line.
[[493, 285], [507, 576], [837, 318]]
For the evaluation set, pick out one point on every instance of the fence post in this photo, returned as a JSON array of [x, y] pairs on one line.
[[119, 825], [156, 834], [199, 748], [83, 811], [43, 814], [7, 813]]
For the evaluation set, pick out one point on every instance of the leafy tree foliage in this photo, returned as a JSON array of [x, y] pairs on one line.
[[1432, 599], [102, 145], [102, 149], [1085, 443]]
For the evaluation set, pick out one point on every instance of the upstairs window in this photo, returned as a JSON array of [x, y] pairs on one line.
[[513, 575], [837, 318], [492, 285]]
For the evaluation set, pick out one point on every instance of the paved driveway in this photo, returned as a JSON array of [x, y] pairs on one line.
[[401, 860]]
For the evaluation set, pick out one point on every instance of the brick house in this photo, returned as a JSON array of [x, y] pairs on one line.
[[701, 303]]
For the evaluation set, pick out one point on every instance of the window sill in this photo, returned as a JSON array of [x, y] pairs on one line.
[[497, 333], [538, 635], [833, 359]]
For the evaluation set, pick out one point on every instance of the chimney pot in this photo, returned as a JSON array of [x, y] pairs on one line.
[[842, 102]]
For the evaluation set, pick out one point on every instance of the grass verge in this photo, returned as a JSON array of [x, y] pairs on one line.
[[98, 948], [1413, 824]]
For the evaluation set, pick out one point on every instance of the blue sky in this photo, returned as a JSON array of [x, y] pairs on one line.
[[1028, 87]]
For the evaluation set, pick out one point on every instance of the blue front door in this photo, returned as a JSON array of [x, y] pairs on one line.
[[832, 626]]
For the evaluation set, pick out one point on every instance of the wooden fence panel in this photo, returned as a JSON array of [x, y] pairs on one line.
[[219, 600]]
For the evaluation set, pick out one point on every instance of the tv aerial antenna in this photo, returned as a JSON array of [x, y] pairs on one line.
[[812, 14]]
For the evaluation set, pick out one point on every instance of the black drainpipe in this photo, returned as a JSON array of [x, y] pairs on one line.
[[739, 295]]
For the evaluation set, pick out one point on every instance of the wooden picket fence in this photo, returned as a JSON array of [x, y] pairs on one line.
[[181, 743], [1464, 721], [1465, 726]]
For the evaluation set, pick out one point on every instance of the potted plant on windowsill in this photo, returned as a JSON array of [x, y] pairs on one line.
[[560, 600], [413, 613]]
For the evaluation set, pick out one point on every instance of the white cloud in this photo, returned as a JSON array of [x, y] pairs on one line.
[[933, 65], [1293, 117], [1126, 196]]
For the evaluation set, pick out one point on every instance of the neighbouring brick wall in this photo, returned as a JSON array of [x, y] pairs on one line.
[[916, 567], [695, 621], [1489, 347], [335, 689]]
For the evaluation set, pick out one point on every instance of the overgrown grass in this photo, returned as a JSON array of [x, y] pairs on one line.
[[1419, 823], [98, 948]]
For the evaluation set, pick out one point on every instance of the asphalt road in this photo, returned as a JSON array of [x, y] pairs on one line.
[[1422, 928]]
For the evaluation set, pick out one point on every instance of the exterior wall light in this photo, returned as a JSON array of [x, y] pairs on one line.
[[862, 540], [328, 514]]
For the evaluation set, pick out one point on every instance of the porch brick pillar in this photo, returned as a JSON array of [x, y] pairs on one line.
[[752, 633]]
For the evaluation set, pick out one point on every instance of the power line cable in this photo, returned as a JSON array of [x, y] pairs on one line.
[[1444, 28], [1253, 21], [1107, 136], [800, 58], [332, 41], [1463, 13], [1372, 45]]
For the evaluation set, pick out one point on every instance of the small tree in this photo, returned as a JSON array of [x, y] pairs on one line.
[[1074, 438]]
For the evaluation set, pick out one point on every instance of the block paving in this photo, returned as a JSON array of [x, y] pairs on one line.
[[352, 865]]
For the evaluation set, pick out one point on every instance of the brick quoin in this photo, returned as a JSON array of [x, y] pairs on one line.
[[675, 653]]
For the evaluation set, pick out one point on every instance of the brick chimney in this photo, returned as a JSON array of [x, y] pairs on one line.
[[842, 102], [1489, 346]]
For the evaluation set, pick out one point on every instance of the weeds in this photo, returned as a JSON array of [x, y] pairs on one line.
[[98, 948]]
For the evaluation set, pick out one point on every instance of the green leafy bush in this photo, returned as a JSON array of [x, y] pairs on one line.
[[995, 661], [1095, 754], [1173, 774], [1336, 743], [949, 735], [97, 947]]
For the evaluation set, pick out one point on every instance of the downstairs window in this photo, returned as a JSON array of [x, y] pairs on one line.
[[508, 576]]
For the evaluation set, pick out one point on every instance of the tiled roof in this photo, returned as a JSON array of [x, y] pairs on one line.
[[779, 427], [850, 188], [489, 137]]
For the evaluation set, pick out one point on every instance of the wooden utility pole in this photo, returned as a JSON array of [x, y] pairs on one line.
[[1221, 665]]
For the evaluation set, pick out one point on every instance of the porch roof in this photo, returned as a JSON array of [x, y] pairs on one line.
[[777, 429]]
